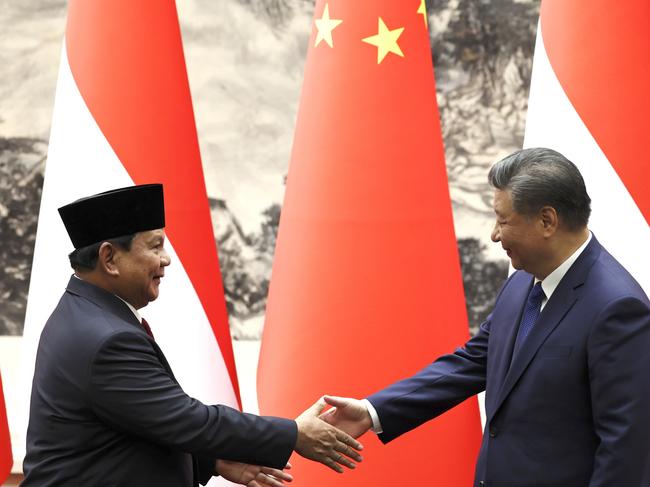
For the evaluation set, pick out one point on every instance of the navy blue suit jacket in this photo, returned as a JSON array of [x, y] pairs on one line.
[[106, 409], [573, 408]]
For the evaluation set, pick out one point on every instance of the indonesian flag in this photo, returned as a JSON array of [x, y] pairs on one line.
[[123, 116], [590, 100], [6, 458], [366, 286]]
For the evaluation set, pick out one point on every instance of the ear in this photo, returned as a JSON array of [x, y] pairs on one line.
[[106, 260], [549, 220]]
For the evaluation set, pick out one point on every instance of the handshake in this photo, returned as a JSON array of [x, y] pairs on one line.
[[327, 437]]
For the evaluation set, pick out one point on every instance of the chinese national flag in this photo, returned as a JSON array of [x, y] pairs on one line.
[[366, 286], [6, 458]]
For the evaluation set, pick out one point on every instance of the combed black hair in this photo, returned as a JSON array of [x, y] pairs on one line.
[[541, 177]]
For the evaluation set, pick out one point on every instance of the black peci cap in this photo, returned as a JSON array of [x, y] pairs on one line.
[[114, 213]]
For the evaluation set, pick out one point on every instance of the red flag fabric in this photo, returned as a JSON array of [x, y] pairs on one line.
[[366, 285], [6, 458]]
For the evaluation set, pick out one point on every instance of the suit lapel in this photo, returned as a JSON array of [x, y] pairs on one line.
[[103, 299], [163, 360], [111, 302], [556, 308], [564, 297], [509, 313]]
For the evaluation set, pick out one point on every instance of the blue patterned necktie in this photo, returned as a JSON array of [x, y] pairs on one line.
[[531, 313]]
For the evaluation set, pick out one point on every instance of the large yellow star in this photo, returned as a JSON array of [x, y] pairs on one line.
[[422, 9], [386, 41], [325, 26]]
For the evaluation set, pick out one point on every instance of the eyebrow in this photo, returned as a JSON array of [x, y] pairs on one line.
[[157, 240]]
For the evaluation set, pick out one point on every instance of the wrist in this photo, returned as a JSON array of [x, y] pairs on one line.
[[373, 417]]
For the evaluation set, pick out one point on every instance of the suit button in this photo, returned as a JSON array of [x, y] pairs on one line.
[[482, 483], [493, 431]]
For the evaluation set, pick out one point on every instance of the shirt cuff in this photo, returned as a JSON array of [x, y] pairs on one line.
[[376, 425]]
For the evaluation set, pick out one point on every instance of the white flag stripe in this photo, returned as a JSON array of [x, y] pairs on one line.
[[80, 162], [553, 122]]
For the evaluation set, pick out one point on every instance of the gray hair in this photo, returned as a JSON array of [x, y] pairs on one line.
[[85, 258], [541, 177]]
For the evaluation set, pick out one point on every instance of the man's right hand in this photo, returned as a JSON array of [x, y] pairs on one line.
[[348, 414], [322, 442]]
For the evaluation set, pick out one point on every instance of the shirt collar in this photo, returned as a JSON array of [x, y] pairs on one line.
[[135, 311], [551, 282]]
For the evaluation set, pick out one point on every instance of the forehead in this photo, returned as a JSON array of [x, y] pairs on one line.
[[502, 202], [150, 236]]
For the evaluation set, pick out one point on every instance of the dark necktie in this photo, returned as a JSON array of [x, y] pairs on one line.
[[531, 313], [147, 328]]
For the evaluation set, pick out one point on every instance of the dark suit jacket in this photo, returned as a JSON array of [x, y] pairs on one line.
[[573, 409], [107, 411]]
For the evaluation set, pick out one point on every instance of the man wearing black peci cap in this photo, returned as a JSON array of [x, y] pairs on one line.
[[105, 406]]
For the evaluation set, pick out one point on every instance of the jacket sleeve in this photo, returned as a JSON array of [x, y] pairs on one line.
[[130, 389], [618, 364], [433, 390], [438, 387], [205, 468]]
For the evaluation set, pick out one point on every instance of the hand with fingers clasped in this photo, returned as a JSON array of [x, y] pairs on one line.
[[252, 475], [322, 442], [347, 414]]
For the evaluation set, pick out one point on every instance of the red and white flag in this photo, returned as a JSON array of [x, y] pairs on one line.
[[122, 116], [6, 458], [366, 286], [590, 99]]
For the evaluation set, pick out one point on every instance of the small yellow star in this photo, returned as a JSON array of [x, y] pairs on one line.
[[325, 26], [385, 40], [422, 9]]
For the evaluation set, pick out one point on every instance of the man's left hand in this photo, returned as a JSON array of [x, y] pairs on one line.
[[252, 475]]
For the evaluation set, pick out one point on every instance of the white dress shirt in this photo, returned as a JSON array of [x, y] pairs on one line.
[[551, 282], [135, 311]]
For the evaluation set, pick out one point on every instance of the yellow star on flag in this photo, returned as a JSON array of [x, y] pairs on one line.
[[385, 40], [325, 26], [422, 9]]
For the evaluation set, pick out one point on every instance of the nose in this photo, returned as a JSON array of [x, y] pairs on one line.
[[165, 259], [496, 234]]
